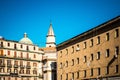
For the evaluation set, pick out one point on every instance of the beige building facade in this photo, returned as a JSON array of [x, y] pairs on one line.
[[23, 60], [20, 60], [94, 54]]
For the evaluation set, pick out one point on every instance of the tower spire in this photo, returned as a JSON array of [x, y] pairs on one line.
[[50, 31], [50, 42]]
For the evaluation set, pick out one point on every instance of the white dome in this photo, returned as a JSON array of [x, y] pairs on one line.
[[26, 40]]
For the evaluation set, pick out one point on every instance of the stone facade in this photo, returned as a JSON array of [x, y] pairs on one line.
[[94, 54]]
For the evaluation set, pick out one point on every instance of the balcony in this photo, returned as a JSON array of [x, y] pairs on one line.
[[15, 66], [3, 73], [28, 67], [2, 65], [22, 58], [9, 65], [22, 66], [14, 74]]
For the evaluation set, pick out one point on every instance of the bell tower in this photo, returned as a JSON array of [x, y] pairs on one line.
[[50, 38]]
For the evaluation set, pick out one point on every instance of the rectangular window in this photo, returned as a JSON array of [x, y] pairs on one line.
[[107, 37], [15, 63], [1, 53], [78, 48], [85, 45], [91, 59], [21, 46], [98, 55], [66, 51], [67, 76], [8, 52], [98, 71], [60, 77], [21, 63], [60, 53], [15, 71], [60, 65], [15, 54], [27, 55], [21, 55], [15, 46], [91, 72], [8, 62], [84, 73], [9, 70], [72, 62], [77, 60], [85, 59], [72, 49], [98, 40], [27, 71], [107, 52], [91, 42], [27, 48], [35, 64], [77, 75], [34, 48], [116, 33], [66, 63], [107, 70], [116, 51], [1, 44], [34, 56], [8, 44], [116, 69]]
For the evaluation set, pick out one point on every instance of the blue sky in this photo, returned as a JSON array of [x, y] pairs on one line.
[[69, 17]]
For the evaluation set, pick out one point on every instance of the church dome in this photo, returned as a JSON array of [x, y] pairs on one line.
[[26, 40]]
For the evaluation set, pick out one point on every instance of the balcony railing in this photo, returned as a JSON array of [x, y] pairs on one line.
[[9, 65], [2, 65], [14, 74], [15, 66], [28, 67], [25, 58], [22, 66]]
